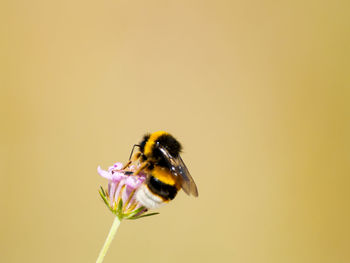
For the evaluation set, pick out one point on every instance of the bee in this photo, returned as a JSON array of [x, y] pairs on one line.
[[159, 157]]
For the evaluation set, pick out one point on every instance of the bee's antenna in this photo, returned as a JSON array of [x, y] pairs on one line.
[[132, 151]]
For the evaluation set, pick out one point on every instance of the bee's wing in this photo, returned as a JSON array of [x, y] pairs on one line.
[[179, 169], [188, 181]]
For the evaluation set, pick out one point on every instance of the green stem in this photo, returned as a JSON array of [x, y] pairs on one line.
[[109, 239]]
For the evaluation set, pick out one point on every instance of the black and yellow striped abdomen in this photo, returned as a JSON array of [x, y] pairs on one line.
[[162, 183]]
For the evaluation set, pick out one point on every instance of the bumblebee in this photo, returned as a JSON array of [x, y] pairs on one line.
[[159, 157]]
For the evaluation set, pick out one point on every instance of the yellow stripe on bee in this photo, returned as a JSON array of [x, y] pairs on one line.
[[151, 141], [164, 175]]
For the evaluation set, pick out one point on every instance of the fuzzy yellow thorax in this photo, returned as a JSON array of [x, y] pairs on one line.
[[151, 141]]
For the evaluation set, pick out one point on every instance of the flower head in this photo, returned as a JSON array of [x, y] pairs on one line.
[[120, 194]]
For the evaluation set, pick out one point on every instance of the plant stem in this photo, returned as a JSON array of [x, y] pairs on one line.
[[109, 239]]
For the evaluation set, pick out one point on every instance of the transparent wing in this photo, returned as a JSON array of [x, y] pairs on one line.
[[188, 181], [179, 169]]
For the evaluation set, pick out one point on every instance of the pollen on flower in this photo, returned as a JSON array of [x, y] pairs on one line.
[[120, 195]]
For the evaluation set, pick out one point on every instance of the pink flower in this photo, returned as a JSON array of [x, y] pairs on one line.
[[120, 194]]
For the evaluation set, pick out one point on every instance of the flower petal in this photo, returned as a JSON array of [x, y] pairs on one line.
[[134, 181], [120, 188], [112, 186], [116, 166], [104, 173], [117, 176]]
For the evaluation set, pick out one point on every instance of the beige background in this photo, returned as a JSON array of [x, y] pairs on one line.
[[257, 92]]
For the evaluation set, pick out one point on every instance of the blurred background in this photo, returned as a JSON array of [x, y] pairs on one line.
[[256, 91]]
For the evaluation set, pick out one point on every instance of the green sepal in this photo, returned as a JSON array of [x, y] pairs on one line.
[[120, 206], [118, 211], [133, 213], [111, 208], [103, 191], [104, 198], [137, 217]]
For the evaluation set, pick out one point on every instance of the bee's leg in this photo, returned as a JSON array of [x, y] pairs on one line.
[[131, 160], [142, 167], [126, 165]]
